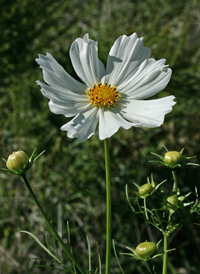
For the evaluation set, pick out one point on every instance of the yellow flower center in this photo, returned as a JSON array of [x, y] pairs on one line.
[[103, 95]]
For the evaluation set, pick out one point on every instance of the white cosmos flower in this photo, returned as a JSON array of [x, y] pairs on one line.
[[108, 98]]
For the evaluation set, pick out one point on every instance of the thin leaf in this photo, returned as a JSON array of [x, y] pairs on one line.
[[160, 184], [122, 271], [55, 249], [127, 197], [5, 170], [69, 240], [99, 256], [165, 148], [68, 233], [157, 155], [132, 255], [30, 159], [136, 185], [89, 256], [42, 246], [47, 242], [39, 155], [192, 164], [156, 161]]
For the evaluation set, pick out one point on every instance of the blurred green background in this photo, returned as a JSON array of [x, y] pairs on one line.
[[70, 175]]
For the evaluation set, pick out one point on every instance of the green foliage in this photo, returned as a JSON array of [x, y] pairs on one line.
[[71, 175]]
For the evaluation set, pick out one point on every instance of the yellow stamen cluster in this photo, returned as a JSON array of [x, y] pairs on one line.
[[103, 95]]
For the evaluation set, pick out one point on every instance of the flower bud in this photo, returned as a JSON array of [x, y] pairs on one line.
[[17, 160], [172, 201], [146, 249], [145, 189], [172, 158]]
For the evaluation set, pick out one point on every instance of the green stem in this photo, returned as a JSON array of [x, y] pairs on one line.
[[165, 256], [175, 186], [154, 210], [108, 208], [52, 229]]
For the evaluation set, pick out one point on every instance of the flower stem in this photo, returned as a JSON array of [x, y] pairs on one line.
[[175, 187], [52, 229], [108, 208], [165, 256]]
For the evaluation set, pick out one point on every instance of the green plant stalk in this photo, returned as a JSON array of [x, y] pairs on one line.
[[52, 229], [108, 208], [165, 256], [175, 187], [156, 213]]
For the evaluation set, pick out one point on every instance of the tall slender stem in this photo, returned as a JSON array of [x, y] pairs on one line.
[[165, 256], [175, 187], [52, 229], [108, 208]]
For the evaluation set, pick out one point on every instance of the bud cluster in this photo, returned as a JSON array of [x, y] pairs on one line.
[[162, 209]]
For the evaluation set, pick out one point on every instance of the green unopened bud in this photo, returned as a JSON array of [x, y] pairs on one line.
[[172, 201], [17, 160], [145, 189], [172, 158], [146, 249]]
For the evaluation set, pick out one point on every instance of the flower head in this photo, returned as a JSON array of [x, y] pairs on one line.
[[17, 160], [146, 249], [173, 159], [145, 189], [149, 188], [110, 97]]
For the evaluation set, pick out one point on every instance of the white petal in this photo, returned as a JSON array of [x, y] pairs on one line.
[[64, 102], [83, 125], [151, 77], [109, 123], [69, 108], [125, 56], [55, 75], [148, 113], [84, 57], [60, 93], [58, 107]]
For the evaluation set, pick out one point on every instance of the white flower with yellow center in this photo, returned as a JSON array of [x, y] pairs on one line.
[[108, 98]]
